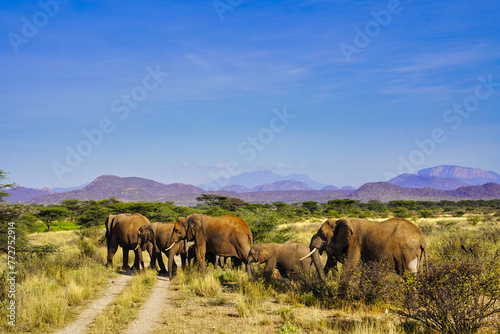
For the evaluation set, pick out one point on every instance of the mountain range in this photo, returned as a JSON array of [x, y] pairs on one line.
[[446, 177], [433, 184], [250, 180]]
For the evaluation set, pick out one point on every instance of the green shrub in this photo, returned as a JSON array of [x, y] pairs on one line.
[[425, 213], [459, 293], [289, 328], [473, 220], [264, 225]]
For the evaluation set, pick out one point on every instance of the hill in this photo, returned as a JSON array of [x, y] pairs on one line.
[[22, 194], [275, 186], [261, 177], [472, 176], [126, 189], [385, 192], [427, 181]]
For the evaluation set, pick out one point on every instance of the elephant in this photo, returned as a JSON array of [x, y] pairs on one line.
[[215, 260], [396, 241], [224, 236], [286, 257], [158, 234], [122, 230], [319, 240]]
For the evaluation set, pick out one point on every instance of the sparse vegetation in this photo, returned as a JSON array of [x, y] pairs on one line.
[[66, 268]]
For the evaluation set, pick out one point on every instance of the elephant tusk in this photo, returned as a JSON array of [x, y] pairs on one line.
[[137, 246], [170, 246], [308, 254]]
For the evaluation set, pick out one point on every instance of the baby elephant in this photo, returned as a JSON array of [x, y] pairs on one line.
[[285, 257]]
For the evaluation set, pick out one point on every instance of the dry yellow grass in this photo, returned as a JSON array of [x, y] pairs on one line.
[[126, 305], [56, 286]]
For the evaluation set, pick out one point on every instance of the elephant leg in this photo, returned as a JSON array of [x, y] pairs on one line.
[[283, 272], [331, 263], [111, 252], [172, 266], [153, 256], [222, 262], [200, 257], [125, 258], [159, 257], [211, 258], [138, 261], [269, 268], [183, 260], [236, 262]]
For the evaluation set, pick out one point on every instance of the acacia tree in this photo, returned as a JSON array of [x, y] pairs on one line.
[[211, 199], [3, 176], [51, 214], [13, 215]]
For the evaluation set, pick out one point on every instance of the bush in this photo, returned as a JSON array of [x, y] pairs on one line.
[[473, 220], [401, 212], [425, 213], [264, 225], [458, 294]]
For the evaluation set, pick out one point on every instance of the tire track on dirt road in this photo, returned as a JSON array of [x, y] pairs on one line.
[[150, 316], [91, 312]]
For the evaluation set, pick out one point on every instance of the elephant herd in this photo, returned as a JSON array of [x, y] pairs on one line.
[[396, 242]]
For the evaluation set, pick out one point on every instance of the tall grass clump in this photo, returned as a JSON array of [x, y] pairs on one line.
[[54, 280], [201, 283]]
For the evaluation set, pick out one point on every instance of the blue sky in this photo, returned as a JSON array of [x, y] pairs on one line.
[[186, 91]]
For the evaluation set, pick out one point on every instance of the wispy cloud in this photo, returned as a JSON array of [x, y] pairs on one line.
[[436, 61]]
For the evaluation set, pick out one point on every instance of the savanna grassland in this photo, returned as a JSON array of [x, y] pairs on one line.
[[61, 271]]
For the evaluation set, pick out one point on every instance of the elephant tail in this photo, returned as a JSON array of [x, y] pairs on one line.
[[251, 239], [423, 256], [108, 227]]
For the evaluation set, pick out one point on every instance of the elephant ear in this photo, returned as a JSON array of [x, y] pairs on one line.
[[150, 236], [264, 255], [342, 236]]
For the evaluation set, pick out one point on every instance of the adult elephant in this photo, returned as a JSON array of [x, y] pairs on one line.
[[286, 257], [227, 236], [323, 237], [158, 234], [122, 230], [395, 241]]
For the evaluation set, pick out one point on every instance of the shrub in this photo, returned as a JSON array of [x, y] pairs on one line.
[[289, 328], [425, 213], [372, 283], [401, 212], [473, 220], [264, 225], [458, 294]]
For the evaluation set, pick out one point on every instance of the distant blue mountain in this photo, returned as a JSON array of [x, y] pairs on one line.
[[61, 190], [472, 176], [258, 178]]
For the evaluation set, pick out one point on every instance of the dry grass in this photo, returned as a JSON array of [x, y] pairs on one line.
[[126, 305], [243, 305], [56, 286]]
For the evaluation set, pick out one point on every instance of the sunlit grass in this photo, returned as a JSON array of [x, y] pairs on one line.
[[55, 285], [124, 308]]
